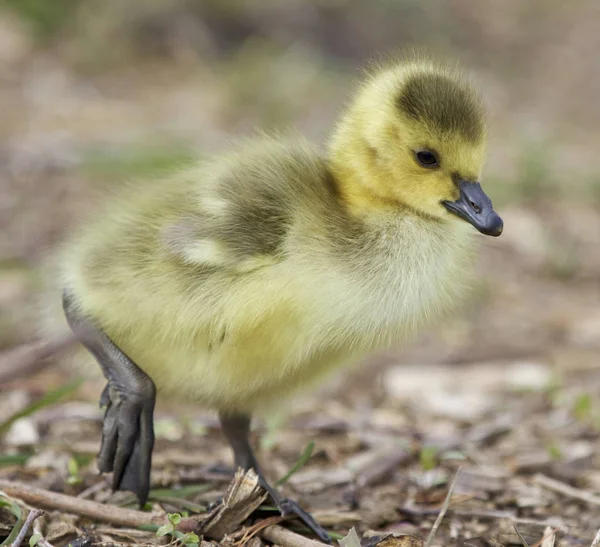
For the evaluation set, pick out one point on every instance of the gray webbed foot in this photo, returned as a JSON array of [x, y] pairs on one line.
[[129, 397], [127, 441], [236, 428], [290, 507]]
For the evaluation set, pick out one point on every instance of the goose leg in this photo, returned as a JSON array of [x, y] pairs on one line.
[[129, 397], [236, 428]]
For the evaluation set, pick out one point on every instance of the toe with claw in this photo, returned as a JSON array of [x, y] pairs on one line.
[[290, 507], [127, 441]]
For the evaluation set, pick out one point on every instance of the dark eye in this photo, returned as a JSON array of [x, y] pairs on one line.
[[427, 158]]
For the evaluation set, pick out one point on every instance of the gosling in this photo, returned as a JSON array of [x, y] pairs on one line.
[[242, 278]]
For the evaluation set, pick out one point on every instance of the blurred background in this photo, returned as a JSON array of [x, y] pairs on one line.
[[92, 93]]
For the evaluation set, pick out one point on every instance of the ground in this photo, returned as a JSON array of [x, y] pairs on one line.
[[505, 390]]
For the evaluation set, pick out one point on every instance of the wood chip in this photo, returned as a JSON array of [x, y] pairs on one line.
[[242, 498]]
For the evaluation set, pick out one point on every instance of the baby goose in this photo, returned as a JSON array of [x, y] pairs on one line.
[[236, 281]]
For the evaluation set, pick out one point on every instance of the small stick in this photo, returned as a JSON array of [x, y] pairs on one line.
[[525, 544], [596, 541], [33, 514], [92, 489], [78, 506], [286, 538], [440, 517], [249, 533], [567, 490]]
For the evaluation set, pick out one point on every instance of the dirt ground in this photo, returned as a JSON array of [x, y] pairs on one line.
[[505, 390]]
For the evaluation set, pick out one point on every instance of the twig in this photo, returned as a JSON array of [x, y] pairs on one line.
[[31, 358], [566, 490], [286, 538], [440, 517], [33, 514], [525, 544], [78, 506], [596, 541], [93, 489], [249, 533]]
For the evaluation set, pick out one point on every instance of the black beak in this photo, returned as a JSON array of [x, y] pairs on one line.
[[476, 208]]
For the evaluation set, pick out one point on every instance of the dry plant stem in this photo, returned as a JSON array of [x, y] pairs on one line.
[[440, 517], [33, 514], [255, 529], [78, 506], [280, 536], [31, 358], [596, 541], [565, 489], [92, 489], [525, 544]]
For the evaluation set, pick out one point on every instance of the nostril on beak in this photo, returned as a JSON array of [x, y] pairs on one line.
[[475, 207]]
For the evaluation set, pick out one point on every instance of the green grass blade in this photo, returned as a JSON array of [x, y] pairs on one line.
[[305, 456], [6, 460], [46, 400], [149, 527], [16, 511], [183, 492], [180, 503]]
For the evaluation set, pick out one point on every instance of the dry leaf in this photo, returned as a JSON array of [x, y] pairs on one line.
[[351, 540]]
